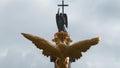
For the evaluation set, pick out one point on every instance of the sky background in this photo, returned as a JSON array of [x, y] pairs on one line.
[[87, 19]]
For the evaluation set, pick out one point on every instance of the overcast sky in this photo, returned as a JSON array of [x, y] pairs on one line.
[[87, 19]]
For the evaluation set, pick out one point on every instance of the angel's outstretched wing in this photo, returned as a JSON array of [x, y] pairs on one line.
[[47, 47], [75, 50]]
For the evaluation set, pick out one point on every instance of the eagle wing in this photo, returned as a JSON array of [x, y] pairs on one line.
[[46, 46], [75, 50]]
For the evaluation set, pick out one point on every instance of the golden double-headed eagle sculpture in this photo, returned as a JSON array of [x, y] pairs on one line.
[[61, 51]]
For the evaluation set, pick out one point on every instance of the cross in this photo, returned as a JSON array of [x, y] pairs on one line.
[[63, 6]]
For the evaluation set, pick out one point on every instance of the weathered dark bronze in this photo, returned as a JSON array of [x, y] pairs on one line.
[[62, 22], [61, 19]]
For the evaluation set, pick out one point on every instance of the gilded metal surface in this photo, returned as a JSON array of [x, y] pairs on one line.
[[61, 50]]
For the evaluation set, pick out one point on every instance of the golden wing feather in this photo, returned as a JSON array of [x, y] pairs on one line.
[[75, 50], [48, 48]]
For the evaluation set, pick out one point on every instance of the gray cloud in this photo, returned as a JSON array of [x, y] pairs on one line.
[[87, 19]]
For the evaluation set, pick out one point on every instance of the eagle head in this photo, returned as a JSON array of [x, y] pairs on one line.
[[62, 37]]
